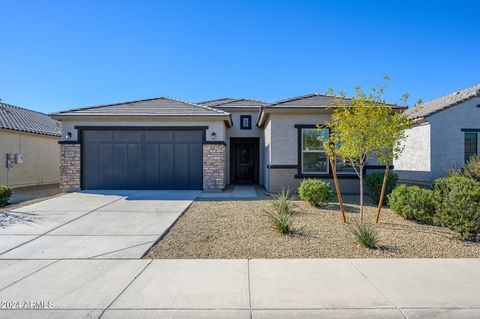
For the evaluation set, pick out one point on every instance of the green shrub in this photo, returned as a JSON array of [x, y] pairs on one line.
[[459, 209], [375, 181], [472, 168], [413, 202], [364, 234], [315, 191], [5, 194], [283, 203]]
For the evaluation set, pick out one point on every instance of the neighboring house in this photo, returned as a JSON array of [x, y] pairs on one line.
[[29, 150], [164, 143], [446, 133]]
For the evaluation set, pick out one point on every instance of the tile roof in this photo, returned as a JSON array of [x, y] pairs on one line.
[[217, 101], [162, 106], [308, 100], [444, 102], [24, 120], [231, 102]]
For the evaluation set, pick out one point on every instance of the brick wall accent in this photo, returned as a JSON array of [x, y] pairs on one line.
[[214, 166], [70, 167]]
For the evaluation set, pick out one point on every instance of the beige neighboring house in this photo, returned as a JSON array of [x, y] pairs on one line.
[[165, 143], [29, 150], [446, 133]]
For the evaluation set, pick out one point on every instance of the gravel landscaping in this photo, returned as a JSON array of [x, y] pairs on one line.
[[239, 229]]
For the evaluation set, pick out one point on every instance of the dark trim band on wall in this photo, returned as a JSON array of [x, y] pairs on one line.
[[470, 129], [158, 128], [378, 166], [81, 128], [282, 166], [215, 142], [68, 142]]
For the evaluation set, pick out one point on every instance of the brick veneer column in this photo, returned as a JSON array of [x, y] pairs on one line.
[[214, 166], [70, 167]]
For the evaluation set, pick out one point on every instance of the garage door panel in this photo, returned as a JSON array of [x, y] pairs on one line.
[[188, 137], [181, 166], [195, 167], [134, 166], [159, 136], [98, 136], [127, 137], [166, 166], [142, 159], [150, 169], [105, 167], [90, 156], [120, 166]]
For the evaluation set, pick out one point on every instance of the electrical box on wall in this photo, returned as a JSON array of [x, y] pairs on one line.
[[19, 158]]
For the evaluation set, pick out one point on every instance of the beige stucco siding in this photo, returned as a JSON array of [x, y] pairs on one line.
[[281, 143], [41, 159], [447, 137], [435, 147], [414, 162]]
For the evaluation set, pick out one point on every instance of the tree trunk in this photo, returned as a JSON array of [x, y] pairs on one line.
[[361, 194], [382, 193], [337, 188]]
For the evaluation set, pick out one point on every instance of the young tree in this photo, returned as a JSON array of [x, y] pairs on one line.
[[393, 127], [329, 146], [357, 124]]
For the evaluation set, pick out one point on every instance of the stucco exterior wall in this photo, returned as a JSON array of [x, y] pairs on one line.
[[414, 163], [447, 138], [236, 132], [281, 142], [438, 146], [41, 159]]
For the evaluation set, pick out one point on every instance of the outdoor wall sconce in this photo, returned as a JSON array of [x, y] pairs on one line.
[[68, 136], [214, 135]]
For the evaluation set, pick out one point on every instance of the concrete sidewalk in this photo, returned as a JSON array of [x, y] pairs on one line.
[[314, 288]]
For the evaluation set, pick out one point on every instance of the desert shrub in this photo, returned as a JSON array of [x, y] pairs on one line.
[[280, 221], [472, 168], [364, 234], [459, 208], [283, 203], [5, 194], [315, 191], [280, 214], [413, 202], [375, 181]]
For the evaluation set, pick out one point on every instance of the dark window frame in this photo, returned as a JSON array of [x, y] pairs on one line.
[[247, 127], [300, 174]]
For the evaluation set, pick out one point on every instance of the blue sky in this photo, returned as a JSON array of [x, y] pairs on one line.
[[62, 54]]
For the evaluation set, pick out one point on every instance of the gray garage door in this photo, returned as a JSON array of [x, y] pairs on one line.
[[150, 159]]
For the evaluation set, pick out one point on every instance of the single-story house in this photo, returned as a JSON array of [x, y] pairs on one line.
[[28, 147], [445, 134], [165, 143]]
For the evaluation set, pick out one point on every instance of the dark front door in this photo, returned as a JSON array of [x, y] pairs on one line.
[[142, 159], [244, 160], [245, 163]]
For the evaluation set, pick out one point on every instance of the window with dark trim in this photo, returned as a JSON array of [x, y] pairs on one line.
[[313, 157], [471, 144], [245, 122]]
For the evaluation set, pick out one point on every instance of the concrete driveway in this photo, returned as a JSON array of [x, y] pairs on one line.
[[91, 224]]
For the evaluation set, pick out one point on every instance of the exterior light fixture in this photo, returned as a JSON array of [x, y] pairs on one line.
[[68, 136], [214, 135]]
